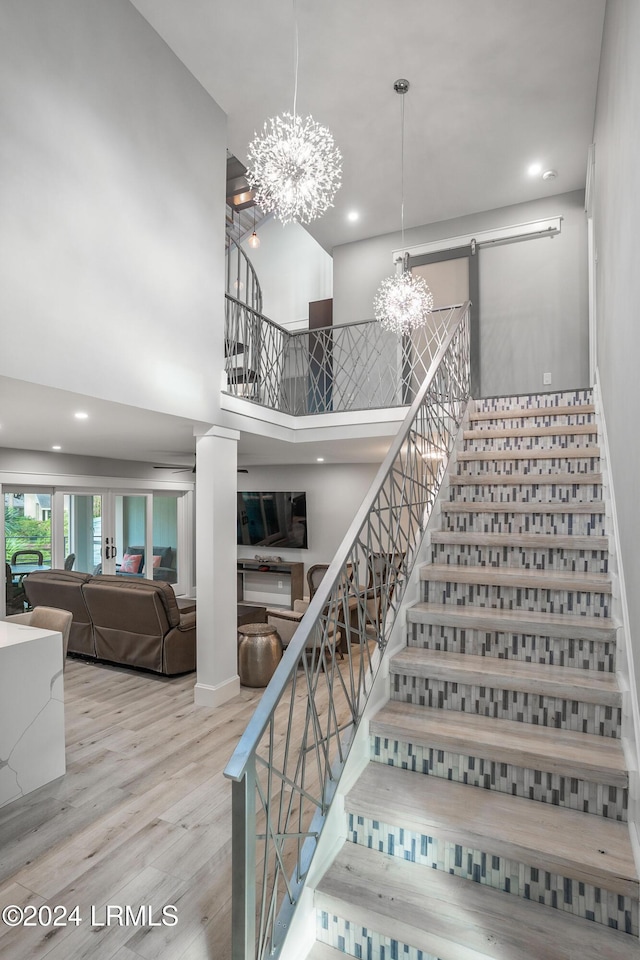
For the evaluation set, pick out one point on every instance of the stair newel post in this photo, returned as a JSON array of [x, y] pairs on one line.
[[243, 880]]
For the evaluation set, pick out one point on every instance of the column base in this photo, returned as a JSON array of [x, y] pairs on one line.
[[208, 696]]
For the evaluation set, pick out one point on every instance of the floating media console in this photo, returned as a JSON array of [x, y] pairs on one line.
[[258, 582]]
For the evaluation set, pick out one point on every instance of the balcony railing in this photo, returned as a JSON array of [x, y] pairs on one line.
[[358, 366], [286, 767]]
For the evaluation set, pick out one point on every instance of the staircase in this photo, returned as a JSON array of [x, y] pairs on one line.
[[491, 818]]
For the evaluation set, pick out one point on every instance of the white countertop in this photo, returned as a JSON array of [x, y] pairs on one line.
[[12, 633]]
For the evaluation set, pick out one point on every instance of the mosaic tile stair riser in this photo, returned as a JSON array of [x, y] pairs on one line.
[[531, 492], [502, 520], [526, 470], [546, 401], [522, 558], [529, 648], [532, 599], [534, 443], [486, 701]]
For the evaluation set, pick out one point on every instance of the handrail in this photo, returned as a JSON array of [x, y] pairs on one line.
[[287, 763], [346, 367]]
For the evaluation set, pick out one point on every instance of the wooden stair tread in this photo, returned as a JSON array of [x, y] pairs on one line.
[[557, 430], [516, 621], [578, 755], [543, 679], [515, 413], [455, 919], [530, 506], [578, 845], [515, 577], [526, 479], [537, 541], [539, 453]]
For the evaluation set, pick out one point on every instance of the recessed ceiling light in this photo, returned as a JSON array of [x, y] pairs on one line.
[[534, 169], [319, 459], [56, 446], [353, 215], [80, 415], [549, 174]]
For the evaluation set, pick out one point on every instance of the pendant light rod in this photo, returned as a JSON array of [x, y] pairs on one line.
[[294, 166], [296, 57], [401, 87], [403, 301]]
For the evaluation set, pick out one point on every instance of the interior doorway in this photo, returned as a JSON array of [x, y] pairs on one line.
[[452, 277]]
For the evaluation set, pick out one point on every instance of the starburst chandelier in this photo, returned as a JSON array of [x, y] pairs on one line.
[[295, 168], [404, 301]]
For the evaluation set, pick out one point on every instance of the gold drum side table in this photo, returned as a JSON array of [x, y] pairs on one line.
[[259, 653]]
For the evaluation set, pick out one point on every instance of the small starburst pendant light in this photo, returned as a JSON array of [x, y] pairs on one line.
[[294, 166], [404, 301]]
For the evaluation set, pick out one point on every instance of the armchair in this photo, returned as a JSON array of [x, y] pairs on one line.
[[286, 621]]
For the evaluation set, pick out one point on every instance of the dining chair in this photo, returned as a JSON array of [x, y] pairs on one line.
[[15, 596], [28, 553]]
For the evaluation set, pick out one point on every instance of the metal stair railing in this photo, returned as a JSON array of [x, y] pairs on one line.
[[287, 764], [355, 366]]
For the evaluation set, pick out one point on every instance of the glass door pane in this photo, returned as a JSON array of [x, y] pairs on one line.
[[165, 538], [27, 542], [131, 515], [27, 529], [82, 531]]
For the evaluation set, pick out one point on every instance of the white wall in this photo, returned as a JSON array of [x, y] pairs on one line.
[[293, 269], [112, 172], [334, 493], [533, 294], [616, 217]]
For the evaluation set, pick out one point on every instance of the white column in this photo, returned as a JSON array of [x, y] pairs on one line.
[[216, 552]]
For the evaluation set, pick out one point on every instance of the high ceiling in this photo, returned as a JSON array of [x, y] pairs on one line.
[[495, 86]]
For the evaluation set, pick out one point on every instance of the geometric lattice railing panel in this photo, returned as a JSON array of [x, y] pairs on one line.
[[288, 762], [358, 366]]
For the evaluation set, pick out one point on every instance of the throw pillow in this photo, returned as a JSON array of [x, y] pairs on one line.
[[157, 559], [131, 563]]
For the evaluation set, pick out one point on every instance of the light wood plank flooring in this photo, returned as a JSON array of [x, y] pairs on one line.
[[143, 816]]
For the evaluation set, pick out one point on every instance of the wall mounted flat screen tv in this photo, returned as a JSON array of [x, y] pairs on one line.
[[272, 519]]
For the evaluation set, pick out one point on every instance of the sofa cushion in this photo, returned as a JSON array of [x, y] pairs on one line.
[[131, 563], [165, 554]]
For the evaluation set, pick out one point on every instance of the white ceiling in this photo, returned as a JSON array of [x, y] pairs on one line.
[[35, 417], [495, 85]]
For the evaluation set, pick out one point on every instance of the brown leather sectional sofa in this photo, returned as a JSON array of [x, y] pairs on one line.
[[129, 621]]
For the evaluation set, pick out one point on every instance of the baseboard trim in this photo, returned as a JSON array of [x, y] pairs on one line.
[[626, 673], [207, 696]]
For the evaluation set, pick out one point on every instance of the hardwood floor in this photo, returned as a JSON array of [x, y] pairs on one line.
[[142, 817]]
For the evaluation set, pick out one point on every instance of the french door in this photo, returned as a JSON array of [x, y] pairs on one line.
[[135, 533], [102, 531]]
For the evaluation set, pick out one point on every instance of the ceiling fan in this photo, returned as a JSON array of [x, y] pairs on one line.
[[178, 469]]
